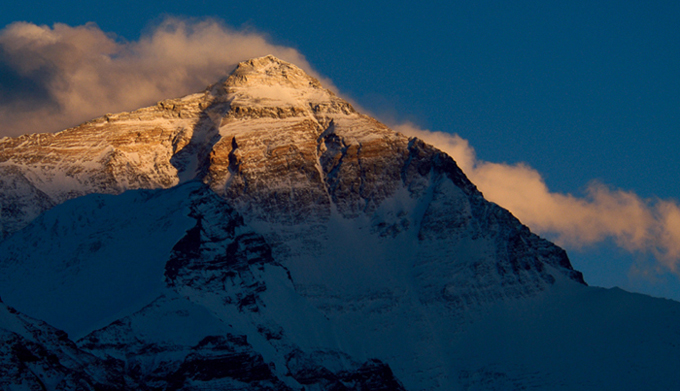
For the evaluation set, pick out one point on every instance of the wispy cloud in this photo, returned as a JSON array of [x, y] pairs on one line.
[[635, 224], [55, 77]]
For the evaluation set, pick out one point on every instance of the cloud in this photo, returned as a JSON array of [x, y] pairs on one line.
[[635, 224], [56, 77]]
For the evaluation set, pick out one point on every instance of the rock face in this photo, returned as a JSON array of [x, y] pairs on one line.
[[264, 235]]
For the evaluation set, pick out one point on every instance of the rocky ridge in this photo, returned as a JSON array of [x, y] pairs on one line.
[[36, 356]]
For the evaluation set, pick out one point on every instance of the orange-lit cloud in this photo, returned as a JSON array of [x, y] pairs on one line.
[[636, 224], [55, 77]]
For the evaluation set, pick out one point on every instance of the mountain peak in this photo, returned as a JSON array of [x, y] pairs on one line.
[[270, 87], [289, 242], [270, 71]]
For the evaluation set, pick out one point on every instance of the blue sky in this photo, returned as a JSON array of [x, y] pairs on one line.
[[579, 91]]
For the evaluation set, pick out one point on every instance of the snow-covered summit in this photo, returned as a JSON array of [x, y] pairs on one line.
[[270, 71], [267, 82]]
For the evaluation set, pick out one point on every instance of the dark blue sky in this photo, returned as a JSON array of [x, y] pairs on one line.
[[578, 90]]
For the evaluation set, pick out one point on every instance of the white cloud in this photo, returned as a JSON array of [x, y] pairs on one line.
[[55, 77], [651, 226]]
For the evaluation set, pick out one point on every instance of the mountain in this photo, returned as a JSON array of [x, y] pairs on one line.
[[36, 356], [263, 234]]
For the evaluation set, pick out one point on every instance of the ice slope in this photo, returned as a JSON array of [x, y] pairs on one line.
[[172, 343], [83, 264]]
